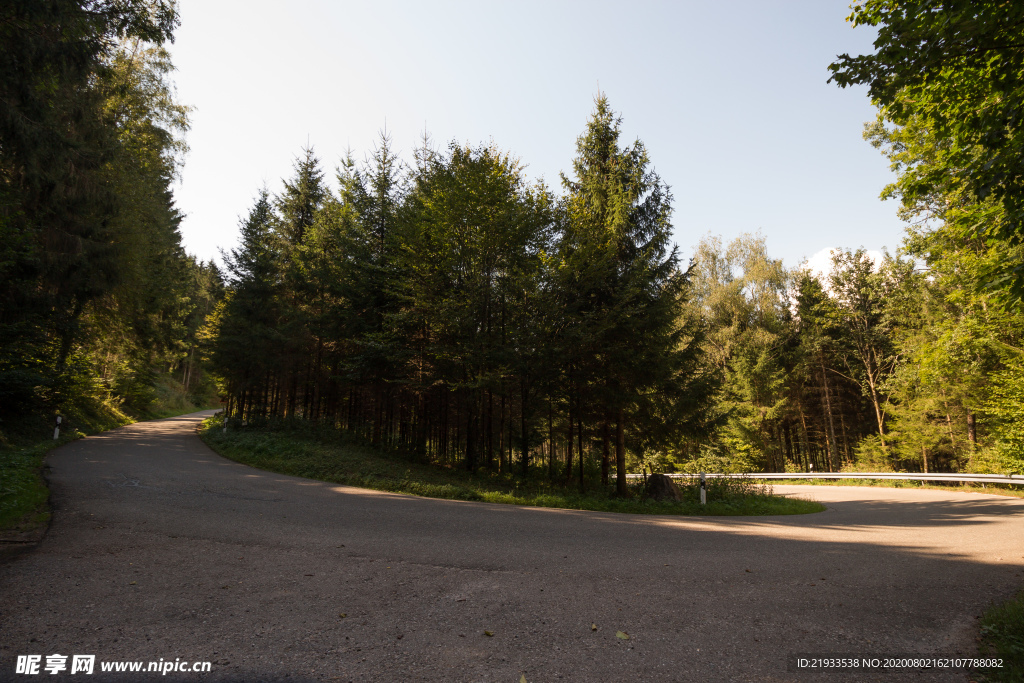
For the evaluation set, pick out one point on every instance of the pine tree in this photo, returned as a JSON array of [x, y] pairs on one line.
[[248, 342], [302, 198], [59, 250], [623, 285]]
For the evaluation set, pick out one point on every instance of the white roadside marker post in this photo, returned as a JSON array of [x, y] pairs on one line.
[[56, 429], [703, 490]]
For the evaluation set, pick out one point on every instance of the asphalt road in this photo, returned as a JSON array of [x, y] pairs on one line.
[[161, 549]]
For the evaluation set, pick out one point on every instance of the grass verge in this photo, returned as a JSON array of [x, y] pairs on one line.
[[23, 491], [327, 457], [25, 441], [1002, 637], [1011, 490]]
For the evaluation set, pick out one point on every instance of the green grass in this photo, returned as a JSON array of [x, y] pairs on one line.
[[24, 445], [23, 492], [167, 397], [327, 457], [1002, 636], [995, 489]]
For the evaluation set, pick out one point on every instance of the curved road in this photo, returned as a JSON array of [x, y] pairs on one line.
[[161, 549]]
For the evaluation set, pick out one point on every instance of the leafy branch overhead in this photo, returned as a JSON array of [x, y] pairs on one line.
[[954, 69]]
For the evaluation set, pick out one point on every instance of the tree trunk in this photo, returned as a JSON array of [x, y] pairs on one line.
[[605, 447], [827, 402], [878, 410], [471, 413], [579, 436], [568, 448], [523, 433], [551, 441], [949, 421], [787, 439], [501, 436], [620, 455], [490, 429], [378, 417], [805, 446]]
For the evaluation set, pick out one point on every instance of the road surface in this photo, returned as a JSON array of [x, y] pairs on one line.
[[159, 548]]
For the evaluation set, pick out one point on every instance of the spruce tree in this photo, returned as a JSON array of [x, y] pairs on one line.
[[302, 197], [623, 288], [248, 341]]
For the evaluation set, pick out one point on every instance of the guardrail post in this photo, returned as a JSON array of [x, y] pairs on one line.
[[703, 490], [56, 429]]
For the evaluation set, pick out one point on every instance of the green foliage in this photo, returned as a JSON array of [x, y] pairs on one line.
[[960, 326], [1002, 633], [300, 452], [23, 445], [740, 292], [98, 299], [457, 311], [953, 71], [23, 491], [68, 143], [1006, 406], [632, 357]]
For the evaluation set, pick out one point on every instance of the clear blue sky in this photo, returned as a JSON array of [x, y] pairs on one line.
[[730, 98]]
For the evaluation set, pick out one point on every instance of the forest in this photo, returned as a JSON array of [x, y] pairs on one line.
[[450, 308], [99, 303]]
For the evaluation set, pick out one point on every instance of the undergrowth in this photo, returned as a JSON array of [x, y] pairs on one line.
[[23, 446], [994, 489], [25, 440], [1002, 636], [328, 456]]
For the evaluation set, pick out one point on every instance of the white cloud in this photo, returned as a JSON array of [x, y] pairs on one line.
[[820, 264]]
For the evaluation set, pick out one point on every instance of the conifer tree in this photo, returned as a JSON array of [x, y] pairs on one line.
[[248, 340], [302, 197], [622, 278]]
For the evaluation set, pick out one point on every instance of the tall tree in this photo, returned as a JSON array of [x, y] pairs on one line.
[[302, 197], [622, 277], [59, 249], [954, 68], [245, 335]]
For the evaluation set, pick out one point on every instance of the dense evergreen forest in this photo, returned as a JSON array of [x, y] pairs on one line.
[[448, 307], [99, 304]]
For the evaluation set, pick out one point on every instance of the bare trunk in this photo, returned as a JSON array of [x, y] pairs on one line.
[[523, 435], [620, 454], [378, 418], [551, 442], [605, 446], [490, 429], [949, 422], [579, 436], [501, 436], [833, 455], [878, 410], [805, 446], [568, 447]]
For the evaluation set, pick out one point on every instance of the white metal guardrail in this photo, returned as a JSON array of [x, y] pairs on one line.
[[938, 476]]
